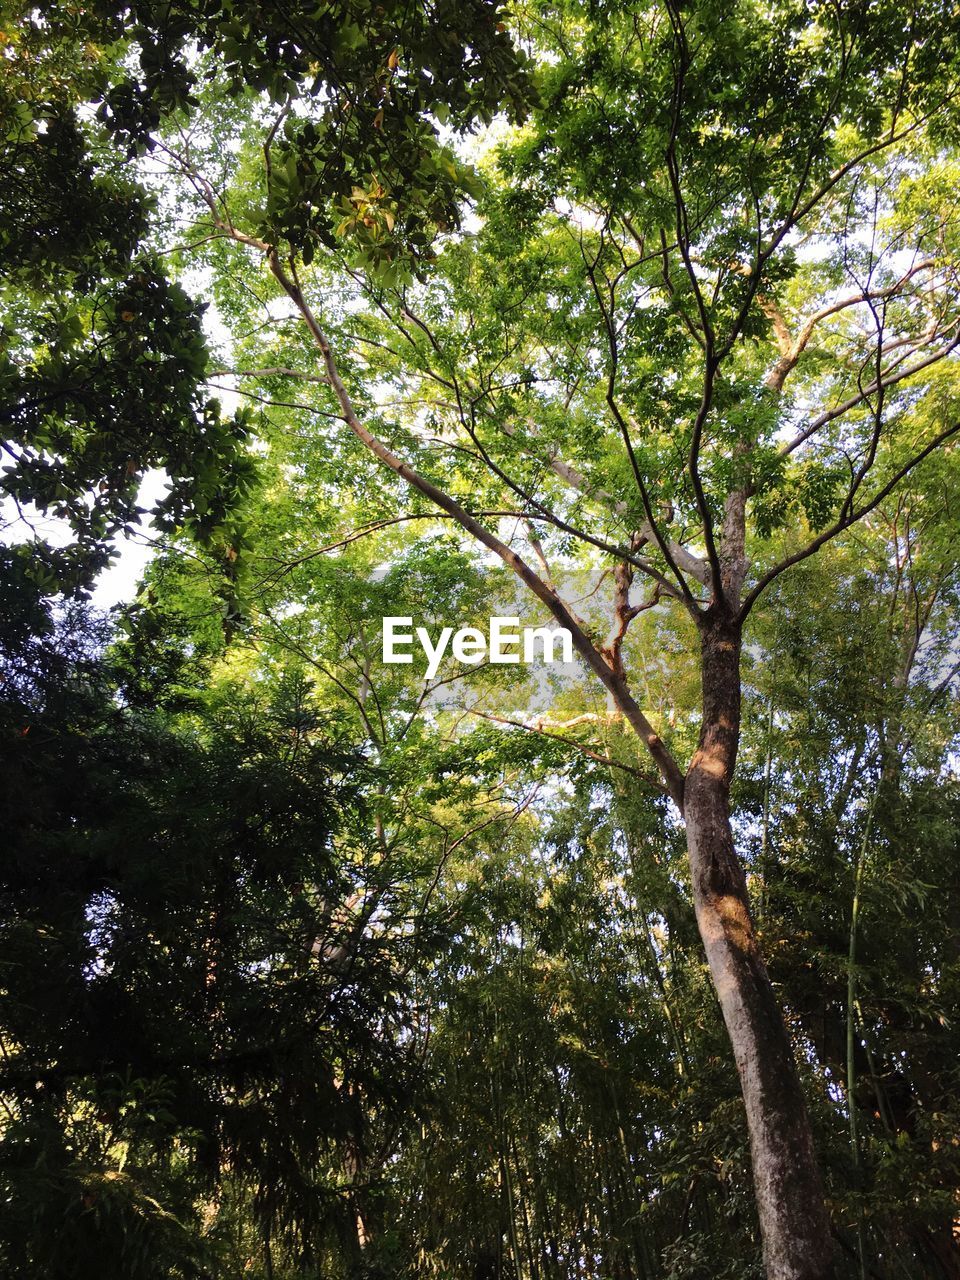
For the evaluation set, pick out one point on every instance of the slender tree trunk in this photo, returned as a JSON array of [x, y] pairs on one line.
[[793, 1218]]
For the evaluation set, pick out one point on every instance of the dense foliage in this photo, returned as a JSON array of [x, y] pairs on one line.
[[312, 966]]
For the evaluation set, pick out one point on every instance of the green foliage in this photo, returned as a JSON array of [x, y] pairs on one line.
[[102, 355], [362, 89], [100, 393], [188, 1004], [311, 968]]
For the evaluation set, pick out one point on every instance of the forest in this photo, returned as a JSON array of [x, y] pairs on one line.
[[336, 339]]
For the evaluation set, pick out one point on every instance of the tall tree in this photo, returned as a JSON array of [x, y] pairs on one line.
[[729, 308], [102, 353], [195, 1011]]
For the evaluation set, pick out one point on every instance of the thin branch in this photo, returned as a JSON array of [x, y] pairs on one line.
[[615, 684], [845, 521], [269, 373], [579, 746], [865, 392]]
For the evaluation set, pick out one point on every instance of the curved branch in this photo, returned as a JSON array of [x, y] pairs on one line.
[[865, 393], [844, 522], [612, 681]]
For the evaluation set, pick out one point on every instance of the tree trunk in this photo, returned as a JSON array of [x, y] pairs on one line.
[[793, 1219]]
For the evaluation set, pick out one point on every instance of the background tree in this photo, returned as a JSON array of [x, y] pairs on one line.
[[102, 353]]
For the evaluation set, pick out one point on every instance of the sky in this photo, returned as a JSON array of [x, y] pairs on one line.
[[119, 582]]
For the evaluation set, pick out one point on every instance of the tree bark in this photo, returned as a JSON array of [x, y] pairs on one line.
[[793, 1219]]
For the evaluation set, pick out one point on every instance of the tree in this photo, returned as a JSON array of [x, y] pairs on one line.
[[854, 707], [200, 1031], [725, 334], [102, 353]]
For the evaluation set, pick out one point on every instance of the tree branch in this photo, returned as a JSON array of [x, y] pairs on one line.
[[851, 517], [615, 684]]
